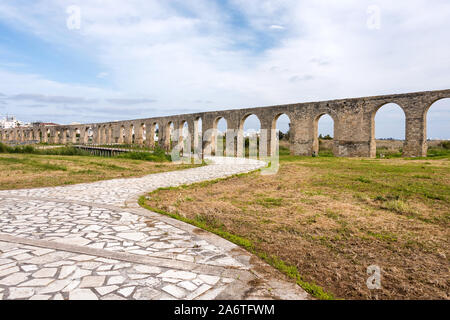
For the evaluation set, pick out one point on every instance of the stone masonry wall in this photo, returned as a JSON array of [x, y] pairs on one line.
[[354, 133]]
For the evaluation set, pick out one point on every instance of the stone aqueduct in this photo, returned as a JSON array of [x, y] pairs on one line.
[[354, 126]]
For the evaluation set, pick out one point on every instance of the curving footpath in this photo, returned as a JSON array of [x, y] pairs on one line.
[[92, 241]]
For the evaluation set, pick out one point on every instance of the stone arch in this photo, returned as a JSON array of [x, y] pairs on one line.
[[183, 137], [316, 143], [167, 135], [433, 104], [439, 116], [157, 133], [184, 127], [220, 128], [64, 135], [87, 135], [46, 134], [121, 139], [151, 130], [197, 139], [141, 135], [131, 134], [254, 147], [58, 136], [76, 135], [373, 133], [275, 134]]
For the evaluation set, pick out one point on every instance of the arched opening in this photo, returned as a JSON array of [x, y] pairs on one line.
[[197, 139], [142, 133], [219, 136], [132, 138], [171, 133], [281, 127], [183, 135], [324, 132], [437, 122], [168, 135], [250, 128], [184, 129], [122, 135], [156, 134], [388, 131], [77, 136]]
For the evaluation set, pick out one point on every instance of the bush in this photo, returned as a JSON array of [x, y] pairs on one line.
[[63, 151], [3, 148], [66, 151], [21, 149], [159, 152], [438, 152], [156, 156], [445, 144]]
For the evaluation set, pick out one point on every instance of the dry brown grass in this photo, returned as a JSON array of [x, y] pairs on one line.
[[332, 218], [19, 171]]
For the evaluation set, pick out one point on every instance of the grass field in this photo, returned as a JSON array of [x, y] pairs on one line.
[[324, 220], [19, 171]]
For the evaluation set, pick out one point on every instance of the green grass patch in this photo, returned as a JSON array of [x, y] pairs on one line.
[[399, 206], [383, 236], [270, 202], [34, 164], [158, 155]]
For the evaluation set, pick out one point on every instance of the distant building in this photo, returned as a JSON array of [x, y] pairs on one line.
[[47, 124], [9, 122]]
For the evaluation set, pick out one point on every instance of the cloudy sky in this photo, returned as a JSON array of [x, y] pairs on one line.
[[142, 58]]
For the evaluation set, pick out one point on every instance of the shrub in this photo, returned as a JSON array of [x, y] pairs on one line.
[[3, 148], [157, 156], [438, 152], [445, 144], [66, 151], [21, 149]]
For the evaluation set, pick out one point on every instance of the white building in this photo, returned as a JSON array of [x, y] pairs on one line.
[[9, 122]]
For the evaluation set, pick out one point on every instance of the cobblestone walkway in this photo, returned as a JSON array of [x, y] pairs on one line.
[[92, 241]]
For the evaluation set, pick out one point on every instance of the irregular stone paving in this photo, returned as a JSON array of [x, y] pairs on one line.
[[106, 229], [86, 242], [28, 272]]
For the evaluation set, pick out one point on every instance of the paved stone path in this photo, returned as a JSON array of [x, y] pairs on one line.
[[92, 241]]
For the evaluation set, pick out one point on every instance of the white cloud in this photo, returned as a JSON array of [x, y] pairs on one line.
[[277, 27]]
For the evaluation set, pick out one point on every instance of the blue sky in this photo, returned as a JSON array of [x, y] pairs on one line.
[[135, 59]]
